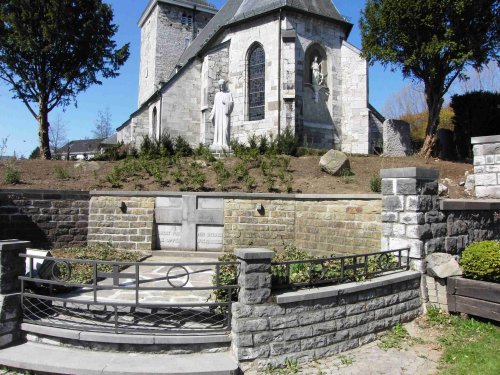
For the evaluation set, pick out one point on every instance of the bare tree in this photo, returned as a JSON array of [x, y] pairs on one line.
[[103, 128], [485, 79], [410, 99], [57, 131], [3, 146]]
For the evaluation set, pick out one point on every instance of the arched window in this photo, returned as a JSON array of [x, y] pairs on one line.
[[154, 123], [256, 83], [186, 20]]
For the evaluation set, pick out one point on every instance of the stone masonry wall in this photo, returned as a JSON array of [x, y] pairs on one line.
[[314, 323], [124, 222], [487, 166], [49, 219], [322, 226]]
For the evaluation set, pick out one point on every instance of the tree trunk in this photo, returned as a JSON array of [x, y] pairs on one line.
[[434, 104], [43, 128]]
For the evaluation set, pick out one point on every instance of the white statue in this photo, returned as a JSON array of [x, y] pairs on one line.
[[317, 76], [221, 116]]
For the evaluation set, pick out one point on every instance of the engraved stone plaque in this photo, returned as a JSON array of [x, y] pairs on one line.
[[210, 203], [169, 202], [210, 237], [169, 236]]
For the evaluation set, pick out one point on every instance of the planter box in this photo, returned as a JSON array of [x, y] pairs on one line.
[[479, 298]]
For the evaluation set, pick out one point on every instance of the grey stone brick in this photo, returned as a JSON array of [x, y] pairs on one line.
[[248, 354], [293, 334], [243, 340], [365, 318], [311, 317], [267, 337], [270, 310], [285, 321], [325, 327], [250, 325], [280, 348], [406, 186], [393, 203], [335, 313], [313, 343], [239, 310]]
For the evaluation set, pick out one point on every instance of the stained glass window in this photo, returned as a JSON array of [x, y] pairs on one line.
[[256, 83]]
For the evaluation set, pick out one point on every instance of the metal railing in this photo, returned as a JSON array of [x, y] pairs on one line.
[[128, 297], [337, 270]]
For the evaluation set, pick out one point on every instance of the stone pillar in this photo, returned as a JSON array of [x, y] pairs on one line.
[[487, 166], [249, 314], [410, 213], [11, 267]]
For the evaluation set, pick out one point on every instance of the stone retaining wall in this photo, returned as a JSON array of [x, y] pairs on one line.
[[124, 222], [349, 224], [46, 218], [314, 323]]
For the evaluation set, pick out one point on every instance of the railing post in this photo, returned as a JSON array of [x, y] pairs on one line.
[[255, 290], [11, 267]]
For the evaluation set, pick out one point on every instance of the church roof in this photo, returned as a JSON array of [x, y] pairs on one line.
[[235, 11]]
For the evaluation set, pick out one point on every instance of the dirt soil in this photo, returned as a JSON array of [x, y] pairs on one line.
[[307, 176]]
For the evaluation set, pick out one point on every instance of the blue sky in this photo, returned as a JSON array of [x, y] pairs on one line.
[[120, 94]]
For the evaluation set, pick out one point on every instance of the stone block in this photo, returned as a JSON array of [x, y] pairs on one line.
[[396, 138], [249, 325], [293, 334], [285, 321], [254, 297], [487, 179], [406, 186], [393, 203], [280, 348]]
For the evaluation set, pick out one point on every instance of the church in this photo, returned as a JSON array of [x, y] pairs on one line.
[[287, 64]]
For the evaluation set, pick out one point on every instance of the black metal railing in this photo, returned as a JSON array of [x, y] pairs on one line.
[[127, 297], [337, 270]]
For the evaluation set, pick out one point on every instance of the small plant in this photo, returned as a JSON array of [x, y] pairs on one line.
[[376, 184], [182, 147], [290, 367], [395, 338], [223, 175], [346, 360], [12, 175], [61, 173], [346, 176], [481, 261]]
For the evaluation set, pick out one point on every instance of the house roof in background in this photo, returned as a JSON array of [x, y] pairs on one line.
[[82, 146]]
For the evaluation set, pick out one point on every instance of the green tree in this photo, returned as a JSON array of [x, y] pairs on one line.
[[432, 41], [51, 50]]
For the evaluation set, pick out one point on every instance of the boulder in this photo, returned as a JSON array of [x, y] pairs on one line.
[[335, 163], [397, 141], [470, 183], [87, 166], [442, 190], [442, 266]]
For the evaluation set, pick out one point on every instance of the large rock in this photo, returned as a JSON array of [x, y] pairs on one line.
[[335, 163], [397, 141], [442, 266]]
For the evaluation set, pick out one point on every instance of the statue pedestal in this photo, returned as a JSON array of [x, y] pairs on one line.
[[220, 152]]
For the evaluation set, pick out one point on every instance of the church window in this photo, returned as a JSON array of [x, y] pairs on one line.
[[154, 121], [186, 20], [256, 83]]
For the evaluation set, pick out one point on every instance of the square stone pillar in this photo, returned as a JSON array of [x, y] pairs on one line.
[[410, 213], [487, 166], [249, 314], [11, 267]]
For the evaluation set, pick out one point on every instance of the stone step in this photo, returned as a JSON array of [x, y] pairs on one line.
[[63, 360], [191, 255], [174, 344]]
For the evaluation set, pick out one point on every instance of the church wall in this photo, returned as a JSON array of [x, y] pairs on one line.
[[265, 31], [355, 124], [149, 33], [322, 121], [163, 40], [181, 103]]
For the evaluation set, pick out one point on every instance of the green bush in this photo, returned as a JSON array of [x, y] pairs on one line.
[[376, 184], [481, 261], [12, 175]]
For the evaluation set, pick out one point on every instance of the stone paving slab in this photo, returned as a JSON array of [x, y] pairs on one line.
[[62, 360]]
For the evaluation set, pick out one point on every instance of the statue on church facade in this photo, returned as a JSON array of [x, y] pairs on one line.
[[317, 77], [221, 117]]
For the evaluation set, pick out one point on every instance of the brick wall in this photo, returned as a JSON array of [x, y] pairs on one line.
[[487, 166], [124, 222], [323, 226], [49, 219]]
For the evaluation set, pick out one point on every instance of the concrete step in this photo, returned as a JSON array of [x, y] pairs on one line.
[[143, 343], [62, 360]]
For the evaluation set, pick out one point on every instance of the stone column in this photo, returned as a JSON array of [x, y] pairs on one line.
[[410, 213], [251, 311], [11, 267], [487, 166]]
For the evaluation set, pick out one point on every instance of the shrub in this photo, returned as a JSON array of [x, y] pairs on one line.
[[61, 173], [12, 175], [481, 261], [376, 184], [182, 147], [288, 142], [477, 114]]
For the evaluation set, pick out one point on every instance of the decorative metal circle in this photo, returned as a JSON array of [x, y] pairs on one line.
[[61, 271], [179, 278]]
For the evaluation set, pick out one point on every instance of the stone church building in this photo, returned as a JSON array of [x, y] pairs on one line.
[[287, 63]]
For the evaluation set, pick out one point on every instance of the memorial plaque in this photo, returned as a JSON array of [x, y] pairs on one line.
[[169, 202], [210, 237], [210, 203], [169, 236]]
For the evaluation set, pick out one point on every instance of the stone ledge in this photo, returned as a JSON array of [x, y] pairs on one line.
[[14, 244], [254, 254], [48, 194], [337, 290], [111, 338], [482, 140], [469, 205], [303, 197], [411, 172]]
